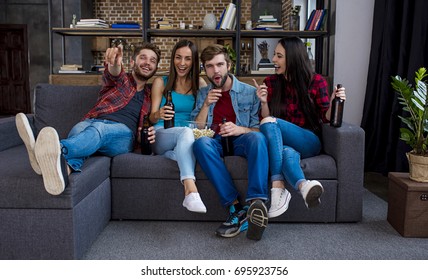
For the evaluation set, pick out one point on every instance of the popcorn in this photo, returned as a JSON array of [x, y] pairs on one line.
[[198, 133]]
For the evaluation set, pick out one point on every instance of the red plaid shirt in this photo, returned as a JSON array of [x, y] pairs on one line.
[[293, 114], [116, 94]]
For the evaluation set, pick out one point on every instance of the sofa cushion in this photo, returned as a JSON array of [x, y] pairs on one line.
[[21, 187], [319, 167], [62, 106], [133, 165]]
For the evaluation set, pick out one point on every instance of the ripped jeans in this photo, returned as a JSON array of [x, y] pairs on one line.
[[288, 142], [176, 143]]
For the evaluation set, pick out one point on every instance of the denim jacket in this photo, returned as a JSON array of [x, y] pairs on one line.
[[245, 103]]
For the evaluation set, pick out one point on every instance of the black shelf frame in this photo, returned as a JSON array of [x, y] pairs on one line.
[[321, 37]]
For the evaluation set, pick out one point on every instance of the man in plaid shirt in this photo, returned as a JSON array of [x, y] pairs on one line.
[[109, 128]]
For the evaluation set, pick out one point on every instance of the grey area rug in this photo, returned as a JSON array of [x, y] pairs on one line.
[[372, 239]]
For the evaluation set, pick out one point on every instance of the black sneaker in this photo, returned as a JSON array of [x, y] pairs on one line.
[[235, 223], [257, 220]]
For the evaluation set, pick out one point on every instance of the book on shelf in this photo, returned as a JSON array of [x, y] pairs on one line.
[[266, 16], [127, 22], [81, 24], [232, 23], [263, 72], [135, 25], [164, 24], [308, 23], [71, 71], [268, 65], [221, 19], [71, 67], [229, 17], [322, 21], [267, 20], [92, 20], [316, 20], [268, 26]]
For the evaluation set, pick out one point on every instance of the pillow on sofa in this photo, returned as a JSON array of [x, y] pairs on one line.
[[62, 106]]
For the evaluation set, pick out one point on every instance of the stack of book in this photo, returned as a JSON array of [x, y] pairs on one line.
[[265, 66], [228, 18], [71, 69], [92, 23], [317, 20], [267, 22], [126, 24], [164, 24]]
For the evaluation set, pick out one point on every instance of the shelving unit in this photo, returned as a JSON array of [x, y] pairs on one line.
[[321, 37]]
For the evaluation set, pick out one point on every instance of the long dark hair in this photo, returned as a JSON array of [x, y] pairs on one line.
[[194, 72], [298, 75]]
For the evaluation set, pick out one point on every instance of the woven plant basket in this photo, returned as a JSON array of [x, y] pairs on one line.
[[418, 167]]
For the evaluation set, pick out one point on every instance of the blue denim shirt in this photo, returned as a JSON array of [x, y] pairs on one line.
[[245, 103]]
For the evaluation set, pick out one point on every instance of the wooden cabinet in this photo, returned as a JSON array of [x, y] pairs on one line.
[[237, 36]]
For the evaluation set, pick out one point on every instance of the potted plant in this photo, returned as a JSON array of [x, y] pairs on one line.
[[232, 54], [415, 102]]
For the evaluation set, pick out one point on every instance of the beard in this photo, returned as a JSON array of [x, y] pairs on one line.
[[141, 76], [222, 82]]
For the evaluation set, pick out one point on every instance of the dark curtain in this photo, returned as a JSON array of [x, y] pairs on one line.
[[399, 47]]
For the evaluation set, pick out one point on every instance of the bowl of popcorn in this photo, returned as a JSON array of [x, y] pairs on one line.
[[202, 129]]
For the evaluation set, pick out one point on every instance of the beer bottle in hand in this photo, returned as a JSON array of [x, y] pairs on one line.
[[169, 123], [146, 147], [337, 110], [227, 143]]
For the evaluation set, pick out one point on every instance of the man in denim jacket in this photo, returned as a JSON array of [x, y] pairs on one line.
[[226, 98]]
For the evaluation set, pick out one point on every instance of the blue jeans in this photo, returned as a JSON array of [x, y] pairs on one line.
[[288, 142], [252, 146], [93, 135], [176, 143]]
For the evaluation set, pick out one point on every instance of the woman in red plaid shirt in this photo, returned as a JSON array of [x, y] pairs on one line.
[[294, 105]]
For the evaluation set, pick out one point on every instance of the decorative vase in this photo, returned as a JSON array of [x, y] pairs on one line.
[[210, 22], [418, 167], [294, 22]]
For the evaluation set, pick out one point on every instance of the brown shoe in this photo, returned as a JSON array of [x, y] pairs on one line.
[[27, 136]]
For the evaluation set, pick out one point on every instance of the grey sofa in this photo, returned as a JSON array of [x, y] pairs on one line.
[[37, 225]]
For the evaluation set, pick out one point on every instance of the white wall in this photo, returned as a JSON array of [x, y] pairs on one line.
[[352, 52]]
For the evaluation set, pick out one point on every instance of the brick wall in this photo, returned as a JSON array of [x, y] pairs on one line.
[[186, 11]]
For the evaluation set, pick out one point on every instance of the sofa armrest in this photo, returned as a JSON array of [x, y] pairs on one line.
[[346, 145], [9, 136]]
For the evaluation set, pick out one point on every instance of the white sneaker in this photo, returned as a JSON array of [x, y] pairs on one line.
[[27, 136], [280, 199], [193, 202], [311, 192], [48, 155]]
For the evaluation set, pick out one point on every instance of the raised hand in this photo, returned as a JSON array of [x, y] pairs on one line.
[[114, 56], [261, 91], [213, 96]]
